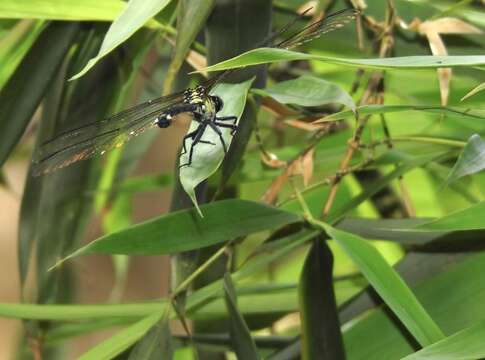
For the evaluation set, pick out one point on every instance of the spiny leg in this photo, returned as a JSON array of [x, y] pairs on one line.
[[196, 139], [190, 135], [227, 118], [229, 126], [219, 132]]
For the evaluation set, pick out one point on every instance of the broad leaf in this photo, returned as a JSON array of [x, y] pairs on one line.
[[207, 157], [241, 339], [470, 218], [133, 17], [320, 328], [185, 230], [22, 93], [270, 55], [122, 340], [389, 286], [470, 161], [465, 344], [307, 91]]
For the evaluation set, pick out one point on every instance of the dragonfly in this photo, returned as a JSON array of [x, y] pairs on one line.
[[98, 137]]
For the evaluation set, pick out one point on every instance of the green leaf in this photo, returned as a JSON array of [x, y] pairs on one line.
[[157, 343], [61, 9], [389, 286], [470, 218], [191, 18], [208, 157], [270, 55], [133, 17], [15, 44], [307, 91], [22, 93], [184, 230], [465, 344], [410, 163], [320, 328], [122, 340], [446, 295], [241, 339], [470, 161], [474, 91], [455, 112]]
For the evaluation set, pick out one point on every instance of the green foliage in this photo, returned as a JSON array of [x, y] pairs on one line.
[[346, 218]]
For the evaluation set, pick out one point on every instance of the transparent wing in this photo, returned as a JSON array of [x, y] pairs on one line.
[[314, 30], [329, 23], [98, 137]]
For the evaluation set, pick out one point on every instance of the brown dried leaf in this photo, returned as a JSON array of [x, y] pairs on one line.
[[307, 166], [277, 108], [302, 125], [448, 25], [312, 5], [272, 161], [197, 61]]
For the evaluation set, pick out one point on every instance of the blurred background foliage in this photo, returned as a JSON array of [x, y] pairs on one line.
[[346, 221]]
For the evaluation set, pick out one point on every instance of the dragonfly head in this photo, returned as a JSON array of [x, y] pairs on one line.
[[218, 103]]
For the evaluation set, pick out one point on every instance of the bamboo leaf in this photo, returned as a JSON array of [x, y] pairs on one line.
[[455, 112], [241, 339], [470, 218], [185, 230], [157, 343], [320, 328], [474, 91], [470, 161], [86, 10], [191, 18], [307, 91], [389, 286], [22, 93], [270, 55], [465, 344], [133, 17], [122, 340]]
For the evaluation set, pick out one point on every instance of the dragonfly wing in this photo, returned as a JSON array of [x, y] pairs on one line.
[[314, 30], [98, 137]]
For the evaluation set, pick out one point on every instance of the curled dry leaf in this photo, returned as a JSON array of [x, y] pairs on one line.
[[303, 165], [276, 108], [272, 161], [311, 5], [302, 125], [432, 30]]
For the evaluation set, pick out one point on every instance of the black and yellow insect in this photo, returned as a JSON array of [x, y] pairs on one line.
[[98, 137]]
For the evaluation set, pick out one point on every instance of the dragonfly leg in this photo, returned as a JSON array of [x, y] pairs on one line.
[[190, 135], [233, 127], [227, 118], [196, 138], [214, 127]]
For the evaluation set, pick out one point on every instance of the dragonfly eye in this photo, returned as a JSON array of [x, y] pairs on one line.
[[219, 104]]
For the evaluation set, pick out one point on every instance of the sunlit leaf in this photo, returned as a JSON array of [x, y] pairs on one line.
[[474, 91], [185, 230], [471, 160], [307, 91], [465, 344], [208, 157], [268, 55], [122, 340], [133, 17], [389, 286], [470, 218]]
